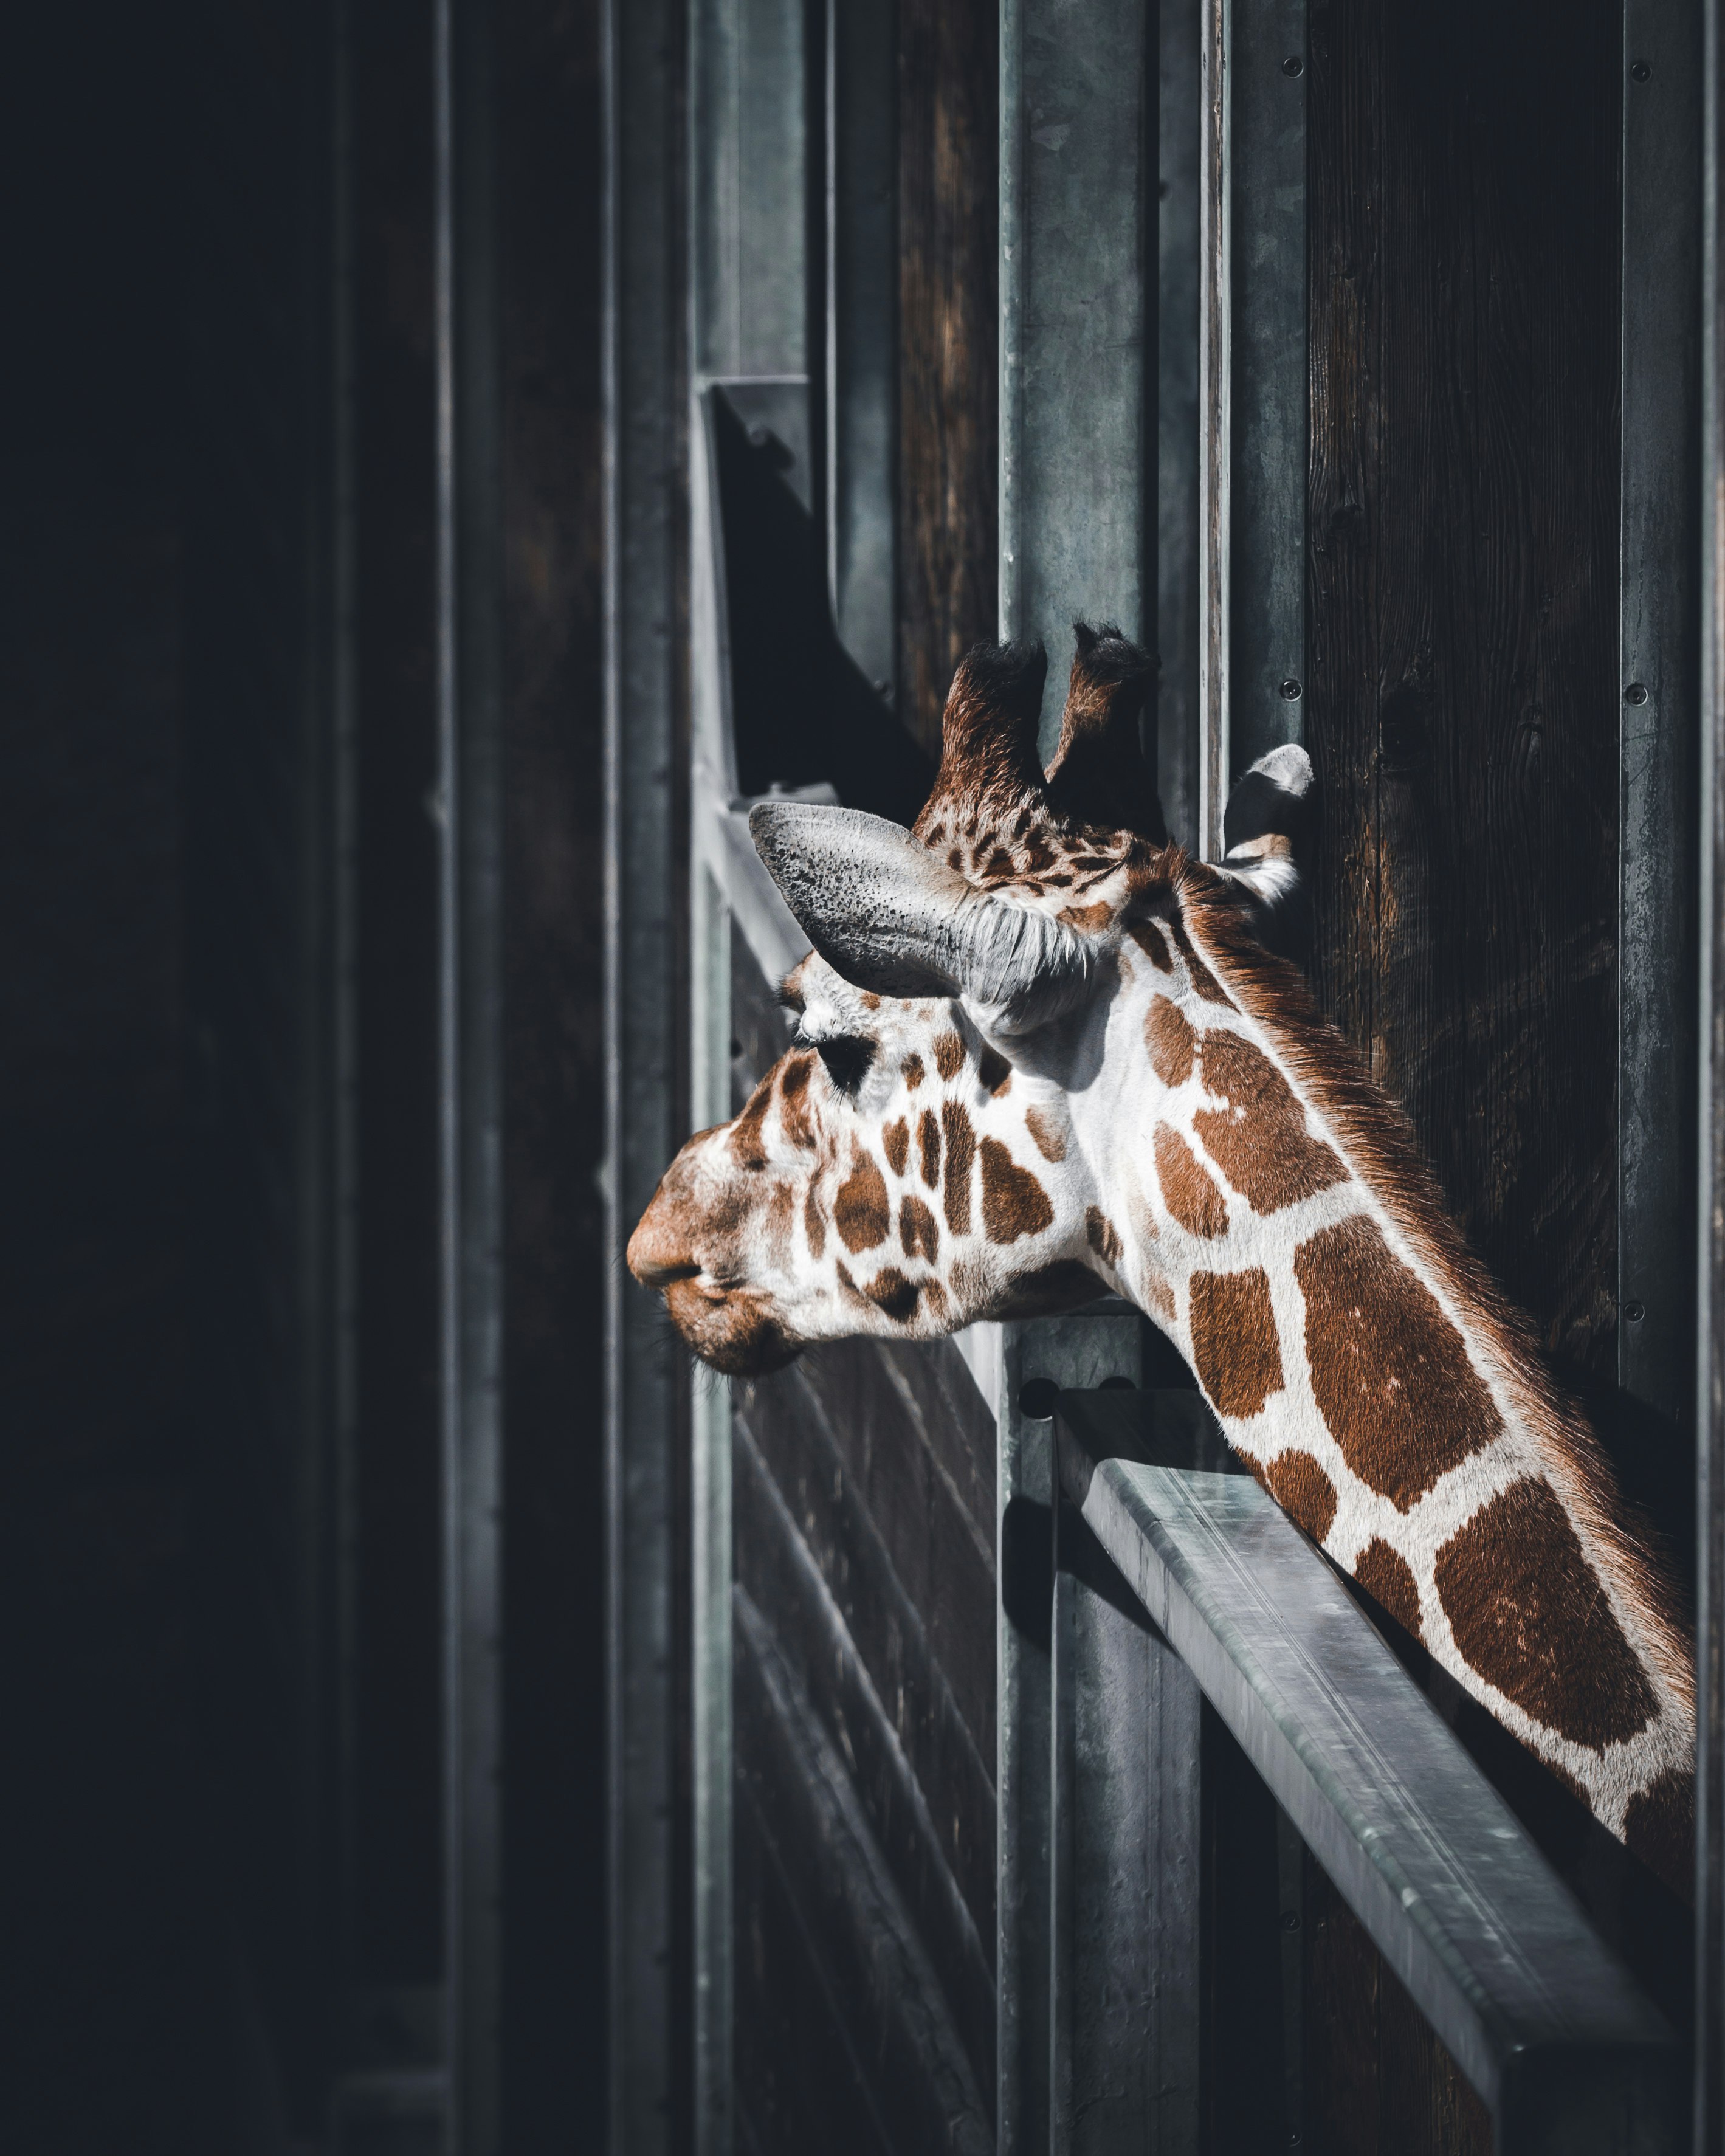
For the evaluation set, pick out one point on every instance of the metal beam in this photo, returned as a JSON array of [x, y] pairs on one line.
[[1538, 2014], [645, 461], [1709, 1374], [471, 1045], [862, 331], [1657, 685], [1253, 410], [1077, 323]]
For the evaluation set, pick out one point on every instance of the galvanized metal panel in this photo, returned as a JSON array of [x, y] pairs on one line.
[[1030, 1966], [1267, 464], [1215, 422], [1126, 1987], [748, 232], [862, 331], [1538, 2014], [1177, 400], [644, 416], [1077, 144], [1255, 405], [470, 1046], [1658, 685]]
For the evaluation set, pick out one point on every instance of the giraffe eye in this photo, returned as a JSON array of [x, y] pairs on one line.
[[847, 1056]]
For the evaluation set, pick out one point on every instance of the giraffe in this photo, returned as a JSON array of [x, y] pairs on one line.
[[1041, 1055]]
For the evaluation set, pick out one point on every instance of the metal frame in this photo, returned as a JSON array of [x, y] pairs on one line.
[[644, 436], [862, 332], [1253, 410], [1548, 2027], [1658, 654], [1709, 2089], [748, 315], [470, 1040]]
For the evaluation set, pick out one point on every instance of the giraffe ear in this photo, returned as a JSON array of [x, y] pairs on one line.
[[891, 918], [1266, 829]]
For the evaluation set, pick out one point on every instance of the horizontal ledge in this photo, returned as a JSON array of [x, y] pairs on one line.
[[1541, 2018]]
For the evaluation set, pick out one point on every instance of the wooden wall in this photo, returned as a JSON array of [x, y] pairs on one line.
[[864, 1693], [1462, 714]]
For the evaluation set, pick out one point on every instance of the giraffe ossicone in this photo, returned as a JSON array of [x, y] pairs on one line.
[[1041, 1053]]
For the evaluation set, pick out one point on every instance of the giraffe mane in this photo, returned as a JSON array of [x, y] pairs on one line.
[[1382, 1150]]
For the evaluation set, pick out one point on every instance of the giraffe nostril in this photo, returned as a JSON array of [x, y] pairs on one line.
[[657, 1257]]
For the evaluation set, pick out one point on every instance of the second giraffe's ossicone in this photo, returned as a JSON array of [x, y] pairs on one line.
[[1040, 1054]]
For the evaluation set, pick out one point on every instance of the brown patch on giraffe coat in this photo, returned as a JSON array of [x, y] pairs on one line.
[[1659, 1827], [995, 1073], [949, 1054], [961, 1152], [917, 1230], [1171, 1041], [861, 1212], [1529, 1614], [814, 1224], [912, 1068], [746, 1141], [780, 1212], [1387, 1577], [1303, 1491], [1388, 1370], [1087, 920], [896, 1141], [1039, 855], [1101, 1234], [1151, 940], [793, 1100], [1259, 1141], [1014, 1203], [891, 1291], [1048, 1138], [928, 1147], [1202, 979], [871, 1001], [1187, 1191], [1233, 1342]]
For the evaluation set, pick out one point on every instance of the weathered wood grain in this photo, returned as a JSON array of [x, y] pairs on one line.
[[948, 398], [1461, 712]]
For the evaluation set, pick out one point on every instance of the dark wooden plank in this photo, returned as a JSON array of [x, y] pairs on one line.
[[1461, 712], [549, 231], [1463, 709], [807, 1462], [880, 1989], [948, 402], [778, 1571], [939, 1554]]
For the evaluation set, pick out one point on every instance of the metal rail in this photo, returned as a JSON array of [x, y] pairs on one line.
[[1550, 2029]]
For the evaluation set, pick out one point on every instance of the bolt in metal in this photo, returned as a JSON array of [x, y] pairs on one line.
[[1293, 65], [1635, 693], [1641, 70], [1635, 1312], [1290, 691]]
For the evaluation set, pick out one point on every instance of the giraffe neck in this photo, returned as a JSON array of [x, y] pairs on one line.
[[1274, 1221]]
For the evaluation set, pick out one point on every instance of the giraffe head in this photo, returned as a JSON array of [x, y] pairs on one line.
[[909, 1167]]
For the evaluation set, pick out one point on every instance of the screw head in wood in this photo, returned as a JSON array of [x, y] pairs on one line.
[[1641, 70], [1293, 65], [1290, 691], [1635, 693]]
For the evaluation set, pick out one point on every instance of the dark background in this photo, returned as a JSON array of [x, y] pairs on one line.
[[188, 1894]]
